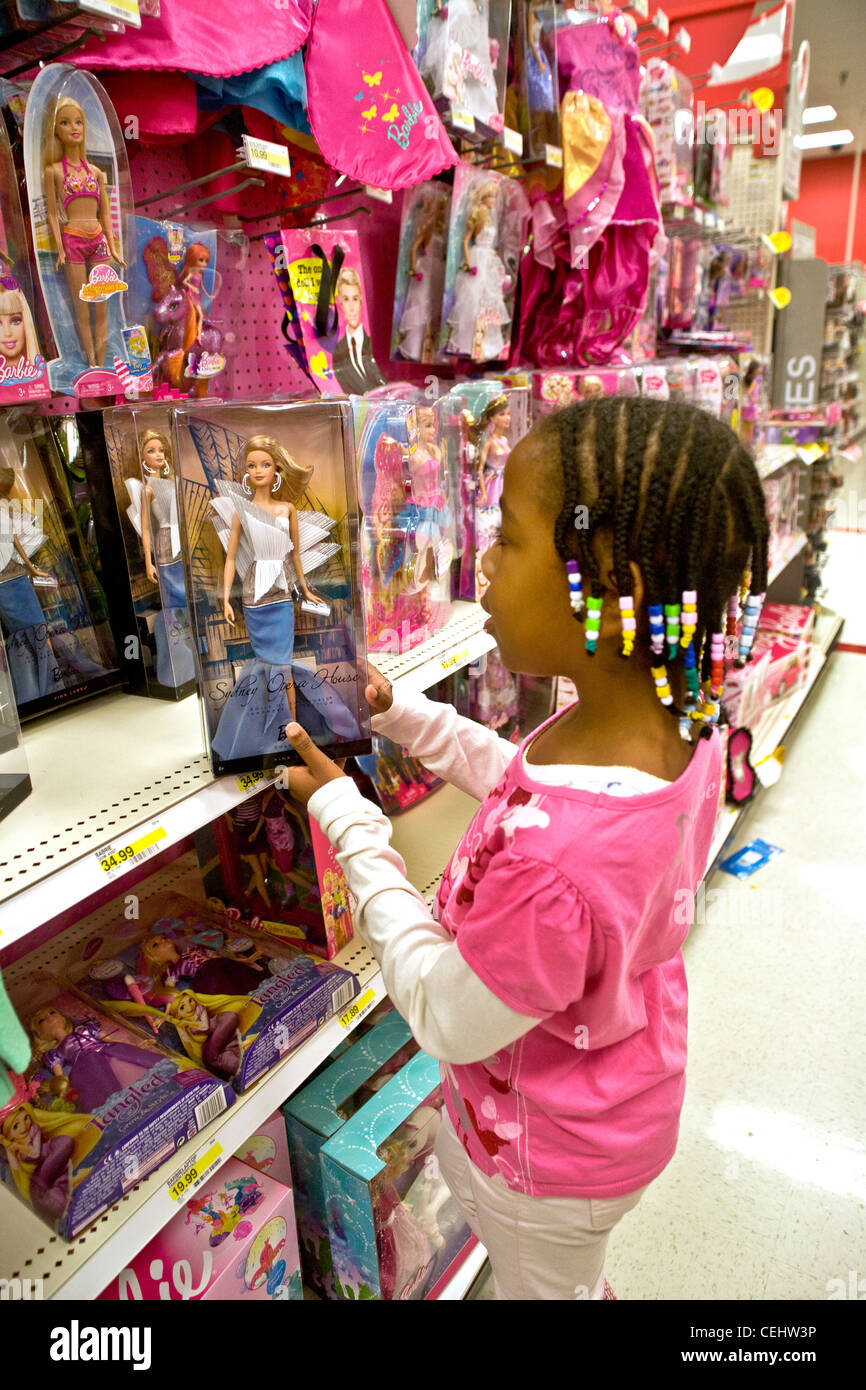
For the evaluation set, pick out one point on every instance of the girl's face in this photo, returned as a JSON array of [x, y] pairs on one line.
[[50, 1025], [154, 455], [18, 1126], [527, 596], [69, 125], [261, 469], [11, 336]]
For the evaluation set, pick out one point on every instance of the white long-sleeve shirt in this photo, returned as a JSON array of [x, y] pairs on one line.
[[452, 1013]]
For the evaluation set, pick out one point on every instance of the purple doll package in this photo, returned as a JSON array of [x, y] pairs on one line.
[[327, 285], [96, 1110]]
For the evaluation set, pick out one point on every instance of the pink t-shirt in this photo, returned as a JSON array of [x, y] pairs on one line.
[[573, 906]]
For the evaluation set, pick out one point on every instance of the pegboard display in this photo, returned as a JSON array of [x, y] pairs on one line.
[[755, 190]]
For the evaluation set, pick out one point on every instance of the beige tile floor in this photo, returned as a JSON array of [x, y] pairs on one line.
[[766, 1197]]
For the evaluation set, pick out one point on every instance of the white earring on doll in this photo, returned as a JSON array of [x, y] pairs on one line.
[[278, 482], [245, 484]]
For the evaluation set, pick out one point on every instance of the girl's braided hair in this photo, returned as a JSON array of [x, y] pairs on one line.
[[679, 493]]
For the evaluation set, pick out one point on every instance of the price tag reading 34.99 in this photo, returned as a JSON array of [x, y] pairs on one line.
[[126, 854]]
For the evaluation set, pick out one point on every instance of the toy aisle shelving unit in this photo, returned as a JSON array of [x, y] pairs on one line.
[[51, 872]]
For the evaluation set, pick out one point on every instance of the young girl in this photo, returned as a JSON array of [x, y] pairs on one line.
[[549, 978]]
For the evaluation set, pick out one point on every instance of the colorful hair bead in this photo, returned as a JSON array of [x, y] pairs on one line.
[[717, 662], [593, 622], [575, 588], [663, 689], [693, 683], [672, 627], [733, 615], [629, 624], [689, 616], [748, 626], [657, 628]]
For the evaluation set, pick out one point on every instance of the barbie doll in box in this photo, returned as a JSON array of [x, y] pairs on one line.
[[422, 309], [155, 500], [79, 217], [272, 544], [460, 58], [18, 341], [479, 313], [433, 522]]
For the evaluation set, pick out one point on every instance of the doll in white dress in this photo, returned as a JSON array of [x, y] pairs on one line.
[[479, 314], [459, 59]]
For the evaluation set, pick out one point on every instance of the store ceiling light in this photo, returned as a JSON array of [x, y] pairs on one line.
[[815, 115], [823, 138]]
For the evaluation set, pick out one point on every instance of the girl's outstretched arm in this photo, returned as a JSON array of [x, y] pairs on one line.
[[458, 750]]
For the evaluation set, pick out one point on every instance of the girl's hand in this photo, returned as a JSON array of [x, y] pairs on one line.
[[319, 770], [229, 613], [377, 691]]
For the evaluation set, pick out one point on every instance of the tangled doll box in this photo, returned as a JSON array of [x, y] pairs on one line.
[[96, 1111], [232, 1003], [234, 1239], [269, 511], [140, 456], [317, 1112], [83, 233]]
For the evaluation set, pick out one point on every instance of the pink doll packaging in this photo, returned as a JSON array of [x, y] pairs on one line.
[[489, 217], [235, 1239], [97, 1109], [268, 1150], [268, 865], [231, 1002], [408, 525], [553, 389], [788, 619], [788, 664], [744, 696], [327, 284], [23, 375], [462, 55], [420, 278]]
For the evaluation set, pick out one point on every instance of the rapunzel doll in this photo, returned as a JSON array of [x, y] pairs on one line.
[[94, 1064], [41, 1149], [79, 218]]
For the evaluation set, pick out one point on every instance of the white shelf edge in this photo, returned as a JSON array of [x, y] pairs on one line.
[[23, 910], [461, 1282], [783, 561]]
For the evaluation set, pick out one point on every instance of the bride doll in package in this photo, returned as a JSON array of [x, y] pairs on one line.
[[23, 375], [462, 55], [485, 238], [421, 272], [83, 234], [270, 516], [140, 455]]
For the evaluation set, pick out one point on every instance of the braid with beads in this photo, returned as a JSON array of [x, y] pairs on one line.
[[682, 499]]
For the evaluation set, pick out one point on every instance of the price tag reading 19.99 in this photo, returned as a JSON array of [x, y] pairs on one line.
[[185, 1182]]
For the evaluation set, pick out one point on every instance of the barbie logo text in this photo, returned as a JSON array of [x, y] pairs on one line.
[[401, 133], [21, 371], [180, 1278]]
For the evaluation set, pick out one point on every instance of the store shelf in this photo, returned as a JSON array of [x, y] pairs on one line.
[[114, 753], [793, 548], [462, 1280], [776, 725], [81, 1269]]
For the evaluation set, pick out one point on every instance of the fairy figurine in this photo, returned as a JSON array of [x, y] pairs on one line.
[[479, 314], [272, 544]]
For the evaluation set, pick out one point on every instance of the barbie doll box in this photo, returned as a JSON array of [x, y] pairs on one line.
[[317, 1112], [96, 1111], [235, 1239], [394, 1228], [232, 1003], [271, 867], [269, 529], [161, 662], [268, 1150]]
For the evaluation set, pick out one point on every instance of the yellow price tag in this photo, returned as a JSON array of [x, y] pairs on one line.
[[182, 1184], [250, 780], [553, 156], [127, 10], [808, 453], [512, 140], [357, 1008], [268, 156], [124, 856], [455, 659], [462, 119]]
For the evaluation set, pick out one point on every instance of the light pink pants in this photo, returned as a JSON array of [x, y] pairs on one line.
[[540, 1248]]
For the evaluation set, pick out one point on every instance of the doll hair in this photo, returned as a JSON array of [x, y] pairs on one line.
[[52, 150], [160, 271], [8, 479], [479, 215], [294, 477], [146, 439], [683, 500], [348, 276], [40, 1044], [13, 302], [195, 248], [478, 428]]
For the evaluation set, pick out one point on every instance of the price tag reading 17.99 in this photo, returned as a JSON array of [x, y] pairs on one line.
[[361, 1005]]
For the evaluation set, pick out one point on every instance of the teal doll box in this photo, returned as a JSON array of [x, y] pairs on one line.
[[395, 1230], [317, 1112]]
